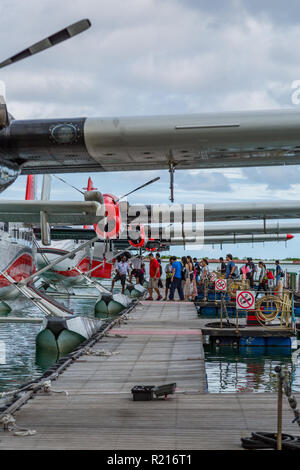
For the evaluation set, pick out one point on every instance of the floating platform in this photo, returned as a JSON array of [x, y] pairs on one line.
[[159, 343]]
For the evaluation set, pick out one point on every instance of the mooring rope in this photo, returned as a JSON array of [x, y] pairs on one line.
[[287, 388], [90, 352], [9, 424]]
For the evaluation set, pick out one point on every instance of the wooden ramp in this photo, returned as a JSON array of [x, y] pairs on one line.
[[160, 343]]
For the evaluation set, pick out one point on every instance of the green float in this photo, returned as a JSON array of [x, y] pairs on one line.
[[60, 336], [110, 304], [4, 308], [135, 291]]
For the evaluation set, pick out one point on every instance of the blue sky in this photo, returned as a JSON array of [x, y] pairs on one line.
[[144, 57]]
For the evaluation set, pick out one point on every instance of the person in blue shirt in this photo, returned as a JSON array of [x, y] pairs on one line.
[[176, 279], [230, 267]]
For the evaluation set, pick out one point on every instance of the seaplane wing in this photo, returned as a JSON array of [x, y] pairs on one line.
[[212, 140], [229, 239], [206, 140], [210, 212], [58, 212]]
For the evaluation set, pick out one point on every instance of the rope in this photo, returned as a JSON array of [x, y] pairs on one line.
[[47, 388], [9, 424], [90, 352], [287, 388], [268, 307]]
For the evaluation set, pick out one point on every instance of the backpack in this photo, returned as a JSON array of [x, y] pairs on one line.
[[183, 273], [235, 272]]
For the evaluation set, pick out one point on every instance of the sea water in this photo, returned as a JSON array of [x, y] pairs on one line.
[[18, 363]]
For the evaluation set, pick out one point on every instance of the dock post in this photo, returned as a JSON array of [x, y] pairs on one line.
[[237, 321], [221, 311], [279, 409]]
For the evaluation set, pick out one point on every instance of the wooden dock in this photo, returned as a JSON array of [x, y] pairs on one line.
[[161, 342]]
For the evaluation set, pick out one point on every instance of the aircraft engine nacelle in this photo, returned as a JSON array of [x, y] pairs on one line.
[[152, 245], [109, 227], [141, 240]]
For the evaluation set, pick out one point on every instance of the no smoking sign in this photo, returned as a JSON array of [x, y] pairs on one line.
[[221, 285], [245, 300]]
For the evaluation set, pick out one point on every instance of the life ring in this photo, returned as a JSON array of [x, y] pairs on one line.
[[112, 215], [142, 238]]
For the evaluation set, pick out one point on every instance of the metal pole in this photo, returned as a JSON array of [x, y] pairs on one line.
[[237, 321], [279, 409], [221, 312]]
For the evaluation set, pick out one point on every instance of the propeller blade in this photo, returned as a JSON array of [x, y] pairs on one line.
[[53, 40], [68, 184], [140, 187]]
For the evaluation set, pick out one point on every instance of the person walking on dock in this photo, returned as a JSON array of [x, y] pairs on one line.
[[279, 272], [252, 271], [176, 279], [122, 269], [230, 267], [136, 264], [154, 272], [263, 280], [222, 266], [168, 271], [160, 284]]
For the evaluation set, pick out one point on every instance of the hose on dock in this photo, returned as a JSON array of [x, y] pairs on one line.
[[262, 440], [265, 440]]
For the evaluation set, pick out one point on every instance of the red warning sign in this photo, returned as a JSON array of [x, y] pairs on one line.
[[221, 285], [245, 300]]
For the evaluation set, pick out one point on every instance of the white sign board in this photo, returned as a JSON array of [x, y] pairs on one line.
[[221, 285], [213, 277], [245, 300]]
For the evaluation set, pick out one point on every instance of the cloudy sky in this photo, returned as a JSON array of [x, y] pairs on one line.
[[144, 57]]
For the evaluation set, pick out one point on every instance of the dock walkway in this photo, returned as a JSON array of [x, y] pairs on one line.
[[160, 343]]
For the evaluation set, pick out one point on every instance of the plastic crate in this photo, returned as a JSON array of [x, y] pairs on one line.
[[142, 392]]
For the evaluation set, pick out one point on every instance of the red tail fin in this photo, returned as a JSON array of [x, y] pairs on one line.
[[30, 188], [90, 187]]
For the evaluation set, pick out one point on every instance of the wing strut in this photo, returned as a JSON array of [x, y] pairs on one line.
[[172, 166]]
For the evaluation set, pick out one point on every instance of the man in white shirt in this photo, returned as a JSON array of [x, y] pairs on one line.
[[122, 268], [136, 265]]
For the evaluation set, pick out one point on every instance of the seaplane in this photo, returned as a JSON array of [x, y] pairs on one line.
[[134, 143]]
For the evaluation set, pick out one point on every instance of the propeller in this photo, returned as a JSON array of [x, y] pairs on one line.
[[140, 187], [53, 40]]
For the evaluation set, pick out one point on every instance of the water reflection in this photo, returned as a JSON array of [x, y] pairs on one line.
[[247, 369]]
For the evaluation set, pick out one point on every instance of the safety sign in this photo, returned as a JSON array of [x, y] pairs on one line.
[[221, 285], [245, 300]]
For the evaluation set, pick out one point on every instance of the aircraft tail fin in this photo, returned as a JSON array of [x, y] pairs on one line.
[[30, 188]]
